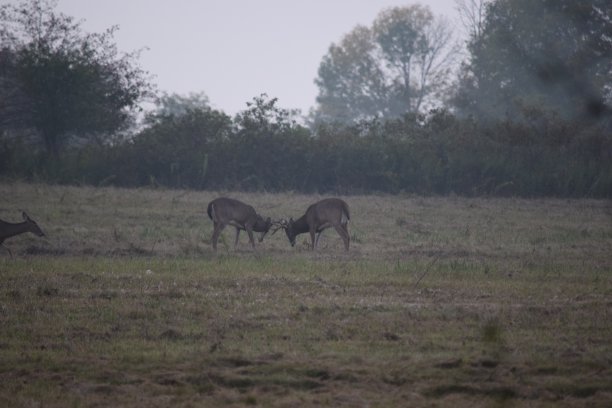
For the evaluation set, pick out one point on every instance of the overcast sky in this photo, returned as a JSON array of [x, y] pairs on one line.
[[234, 50]]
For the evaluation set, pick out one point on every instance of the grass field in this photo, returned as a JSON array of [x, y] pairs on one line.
[[440, 302]]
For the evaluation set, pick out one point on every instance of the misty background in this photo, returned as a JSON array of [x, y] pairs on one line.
[[237, 49], [470, 97]]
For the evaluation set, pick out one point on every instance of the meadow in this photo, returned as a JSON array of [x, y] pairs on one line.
[[440, 301]]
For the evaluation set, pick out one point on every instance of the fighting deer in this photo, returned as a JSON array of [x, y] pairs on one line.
[[330, 212], [227, 211], [8, 229]]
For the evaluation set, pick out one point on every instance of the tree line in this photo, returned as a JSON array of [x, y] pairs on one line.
[[264, 149], [529, 114]]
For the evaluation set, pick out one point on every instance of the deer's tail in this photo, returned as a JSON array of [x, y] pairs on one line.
[[345, 211], [210, 210]]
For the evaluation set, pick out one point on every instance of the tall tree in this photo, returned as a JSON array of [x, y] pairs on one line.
[[76, 84], [472, 16], [14, 106], [178, 105], [264, 116], [399, 65], [554, 55]]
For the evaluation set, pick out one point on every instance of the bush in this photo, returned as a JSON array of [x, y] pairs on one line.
[[438, 154]]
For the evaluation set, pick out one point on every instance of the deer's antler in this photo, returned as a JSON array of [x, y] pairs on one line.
[[278, 225]]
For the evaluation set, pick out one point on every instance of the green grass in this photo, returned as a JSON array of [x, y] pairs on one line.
[[441, 301]]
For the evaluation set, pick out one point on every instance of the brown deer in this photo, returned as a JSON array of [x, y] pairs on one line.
[[225, 211], [8, 229], [330, 212]]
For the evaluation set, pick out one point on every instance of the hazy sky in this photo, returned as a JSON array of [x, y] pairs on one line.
[[234, 50]]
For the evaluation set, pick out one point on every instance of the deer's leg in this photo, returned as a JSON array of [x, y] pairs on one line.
[[8, 249], [313, 239], [216, 232], [318, 236], [214, 237], [237, 235], [343, 232], [249, 230], [348, 236]]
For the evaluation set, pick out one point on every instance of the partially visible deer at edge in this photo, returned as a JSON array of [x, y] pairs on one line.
[[330, 212], [8, 229], [225, 211]]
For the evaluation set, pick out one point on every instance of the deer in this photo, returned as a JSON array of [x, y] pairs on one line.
[[225, 211], [329, 212], [8, 229]]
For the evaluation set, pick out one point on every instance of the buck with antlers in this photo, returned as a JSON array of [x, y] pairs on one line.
[[330, 212], [225, 211], [8, 229]]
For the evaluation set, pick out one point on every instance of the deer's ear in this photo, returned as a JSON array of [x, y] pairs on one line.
[[25, 216], [291, 220]]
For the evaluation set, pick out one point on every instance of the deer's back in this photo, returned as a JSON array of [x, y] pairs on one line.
[[327, 210], [226, 209]]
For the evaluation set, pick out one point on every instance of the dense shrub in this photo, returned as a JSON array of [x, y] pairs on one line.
[[437, 154]]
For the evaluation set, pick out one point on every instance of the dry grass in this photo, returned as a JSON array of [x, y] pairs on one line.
[[441, 301]]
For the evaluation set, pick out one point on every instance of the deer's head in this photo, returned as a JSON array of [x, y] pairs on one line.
[[263, 226], [32, 226], [288, 227]]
